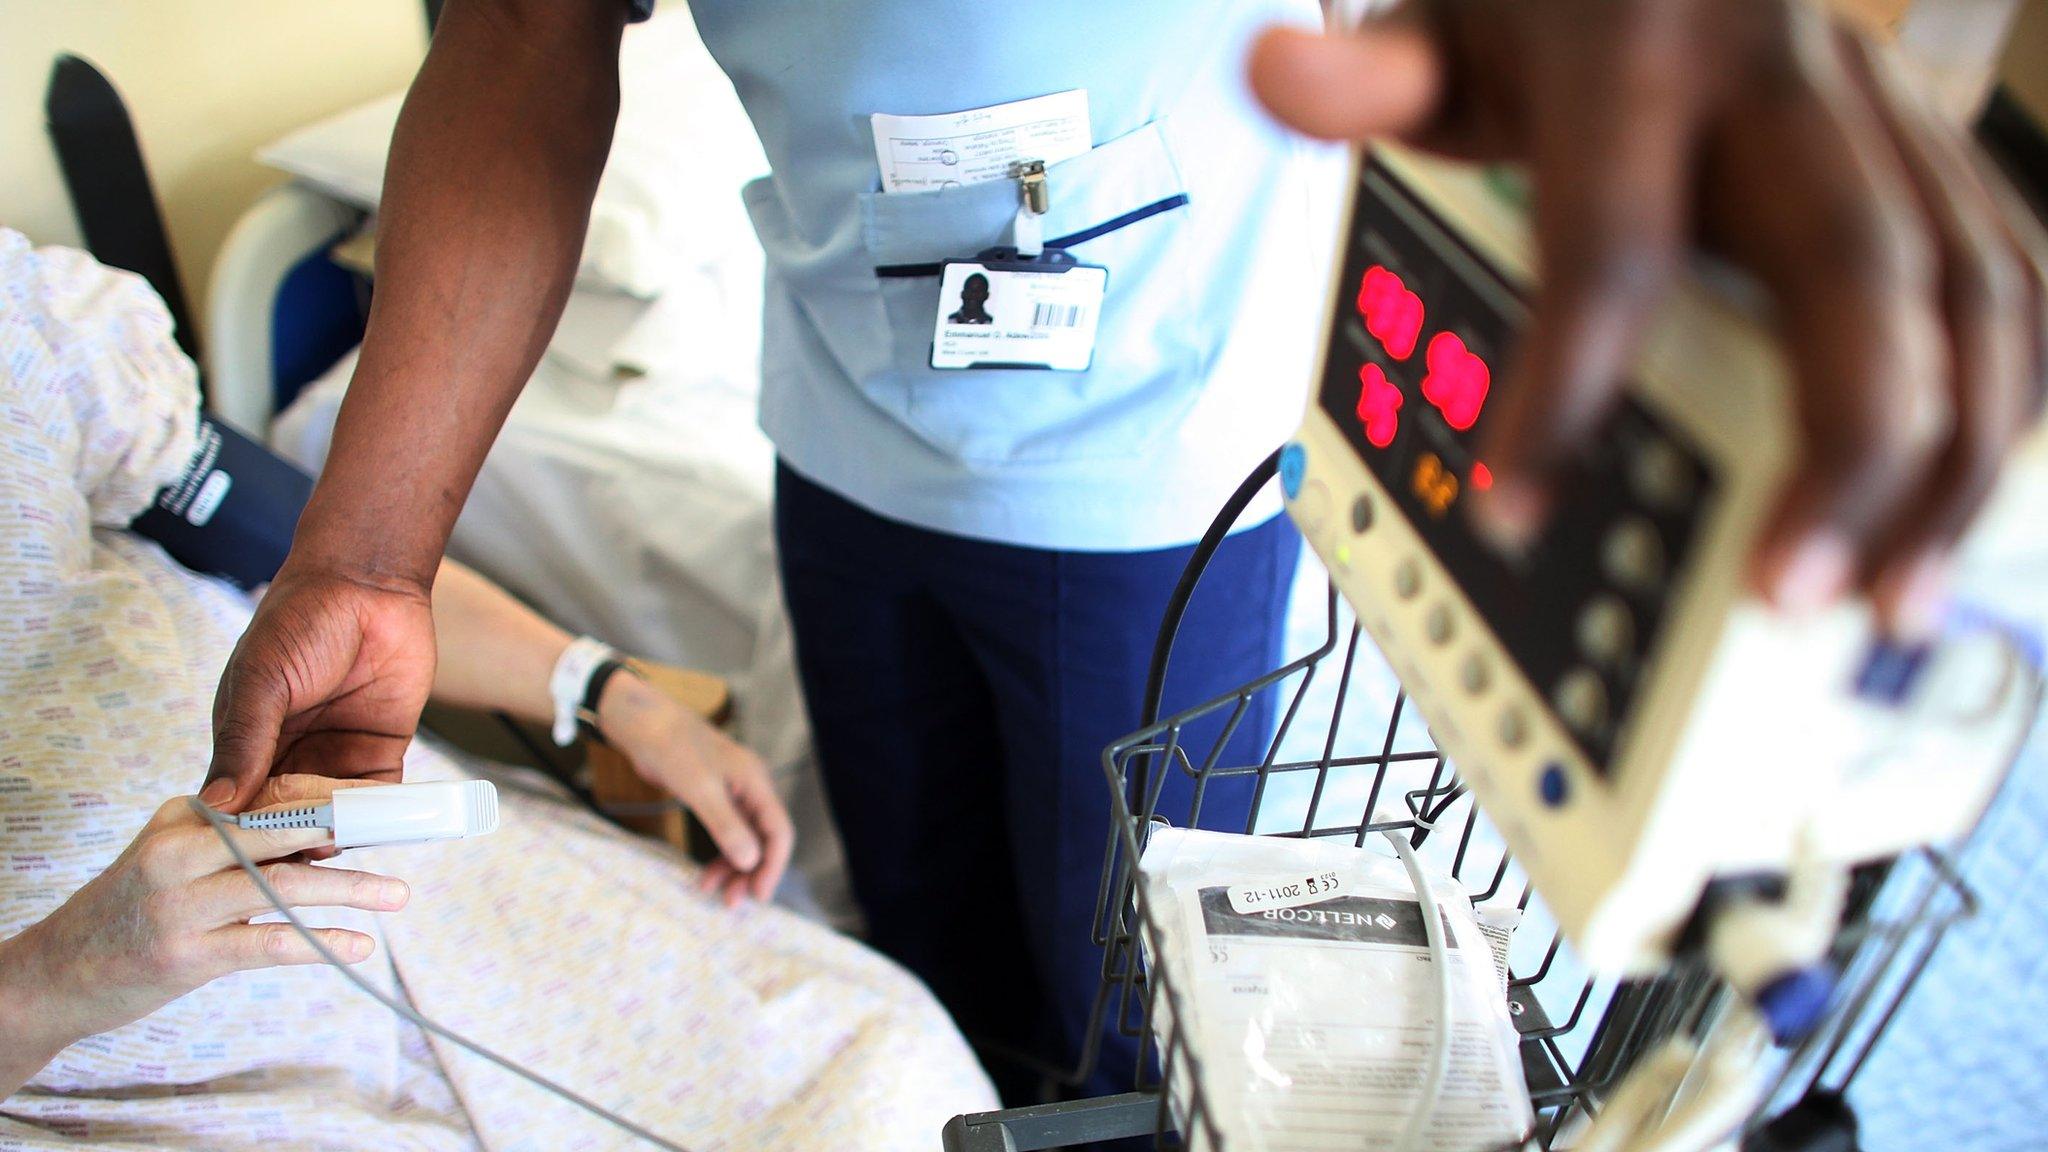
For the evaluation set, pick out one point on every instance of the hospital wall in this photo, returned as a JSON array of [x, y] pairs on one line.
[[207, 82]]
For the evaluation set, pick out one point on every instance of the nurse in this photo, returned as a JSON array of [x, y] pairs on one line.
[[976, 552]]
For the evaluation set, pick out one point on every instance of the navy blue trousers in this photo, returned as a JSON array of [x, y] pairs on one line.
[[962, 693]]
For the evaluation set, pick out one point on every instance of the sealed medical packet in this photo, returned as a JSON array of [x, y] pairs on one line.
[[1304, 972]]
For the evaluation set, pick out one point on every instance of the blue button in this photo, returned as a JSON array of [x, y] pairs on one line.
[[1553, 786], [1293, 466], [1890, 670], [1794, 1003]]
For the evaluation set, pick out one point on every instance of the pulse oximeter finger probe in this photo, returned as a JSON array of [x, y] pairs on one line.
[[393, 813], [433, 814]]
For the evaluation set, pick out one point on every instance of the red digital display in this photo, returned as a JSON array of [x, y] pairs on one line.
[[1379, 406], [1390, 311], [1456, 382]]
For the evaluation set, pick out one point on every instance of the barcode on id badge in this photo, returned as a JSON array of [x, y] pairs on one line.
[[1058, 315]]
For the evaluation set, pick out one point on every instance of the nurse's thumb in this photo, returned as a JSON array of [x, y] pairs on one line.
[[249, 711], [1383, 79]]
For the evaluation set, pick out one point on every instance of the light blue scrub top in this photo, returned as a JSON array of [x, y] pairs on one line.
[[1207, 335]]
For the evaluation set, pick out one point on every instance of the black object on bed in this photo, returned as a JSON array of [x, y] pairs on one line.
[[233, 511], [109, 185]]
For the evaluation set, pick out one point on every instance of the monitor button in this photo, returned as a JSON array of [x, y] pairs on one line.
[[1632, 555], [1438, 624], [1472, 673], [1514, 728], [1361, 514], [1293, 468], [1659, 475], [1312, 506], [1606, 631], [1407, 578], [1581, 699]]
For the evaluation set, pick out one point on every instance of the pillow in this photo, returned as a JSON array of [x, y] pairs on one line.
[[343, 155], [669, 199]]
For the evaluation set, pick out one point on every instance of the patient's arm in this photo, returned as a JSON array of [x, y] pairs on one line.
[[168, 915], [498, 654]]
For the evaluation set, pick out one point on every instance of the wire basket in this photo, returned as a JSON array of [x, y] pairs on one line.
[[1350, 759]]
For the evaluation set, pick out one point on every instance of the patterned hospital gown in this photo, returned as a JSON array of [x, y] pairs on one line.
[[567, 945]]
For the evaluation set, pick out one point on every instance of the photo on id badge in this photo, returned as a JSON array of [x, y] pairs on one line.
[[1018, 314]]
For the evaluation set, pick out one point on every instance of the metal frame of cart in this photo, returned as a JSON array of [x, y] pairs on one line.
[[1579, 1034]]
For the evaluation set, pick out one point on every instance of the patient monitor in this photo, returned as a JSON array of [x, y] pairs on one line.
[[1633, 721]]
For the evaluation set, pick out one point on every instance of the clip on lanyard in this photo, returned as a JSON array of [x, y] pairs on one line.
[[1025, 306], [1034, 198]]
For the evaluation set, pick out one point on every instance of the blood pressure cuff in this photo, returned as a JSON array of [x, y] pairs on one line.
[[232, 512]]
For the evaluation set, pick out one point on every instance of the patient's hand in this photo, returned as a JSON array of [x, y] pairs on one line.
[[717, 778], [169, 914]]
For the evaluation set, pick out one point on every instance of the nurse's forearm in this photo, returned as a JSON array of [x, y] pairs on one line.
[[486, 200]]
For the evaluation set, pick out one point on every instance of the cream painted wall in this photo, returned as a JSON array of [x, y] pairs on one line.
[[206, 82]]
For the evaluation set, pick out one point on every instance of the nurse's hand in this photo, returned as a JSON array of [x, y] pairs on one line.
[[169, 914], [1909, 283], [723, 782], [329, 679]]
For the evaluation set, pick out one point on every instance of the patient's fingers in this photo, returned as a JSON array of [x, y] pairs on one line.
[[736, 891], [715, 876], [241, 947], [188, 848], [708, 878], [230, 897], [259, 844], [756, 795], [714, 805], [724, 883]]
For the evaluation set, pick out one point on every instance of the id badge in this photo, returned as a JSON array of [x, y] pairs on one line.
[[999, 311]]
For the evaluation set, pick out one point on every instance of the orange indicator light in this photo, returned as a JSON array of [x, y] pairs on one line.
[[1433, 484]]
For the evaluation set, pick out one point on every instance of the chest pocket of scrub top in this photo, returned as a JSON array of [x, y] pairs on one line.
[[1127, 197]]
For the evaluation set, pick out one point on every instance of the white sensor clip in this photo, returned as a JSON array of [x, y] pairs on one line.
[[393, 813]]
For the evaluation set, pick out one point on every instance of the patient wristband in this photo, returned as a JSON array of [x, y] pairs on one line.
[[578, 683], [575, 684], [599, 677]]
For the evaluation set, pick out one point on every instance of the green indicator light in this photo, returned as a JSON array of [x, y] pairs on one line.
[[1508, 185]]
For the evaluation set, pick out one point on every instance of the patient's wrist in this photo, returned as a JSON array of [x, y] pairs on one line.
[[627, 702], [30, 1012]]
